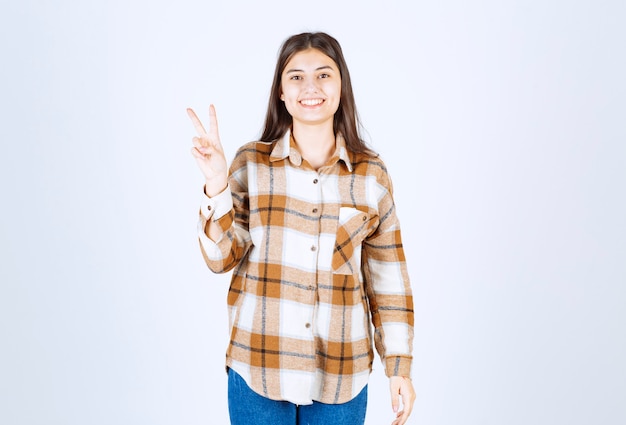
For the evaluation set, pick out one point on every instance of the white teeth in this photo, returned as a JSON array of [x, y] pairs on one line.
[[311, 102]]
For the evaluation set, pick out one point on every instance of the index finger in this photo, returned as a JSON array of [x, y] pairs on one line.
[[196, 122]]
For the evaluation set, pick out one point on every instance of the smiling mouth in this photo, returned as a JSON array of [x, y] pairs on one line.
[[311, 102]]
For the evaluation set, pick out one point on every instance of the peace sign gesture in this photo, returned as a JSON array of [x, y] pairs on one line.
[[209, 154]]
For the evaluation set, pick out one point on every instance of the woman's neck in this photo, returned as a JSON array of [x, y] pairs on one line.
[[316, 143]]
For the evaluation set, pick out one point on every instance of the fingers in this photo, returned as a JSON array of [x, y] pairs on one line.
[[213, 121], [213, 128], [401, 388], [197, 154], [196, 123], [200, 143], [210, 138], [202, 152], [202, 148], [403, 416]]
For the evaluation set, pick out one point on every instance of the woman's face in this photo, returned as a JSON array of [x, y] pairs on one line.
[[311, 88]]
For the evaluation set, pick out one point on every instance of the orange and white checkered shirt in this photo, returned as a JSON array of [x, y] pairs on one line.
[[316, 255]]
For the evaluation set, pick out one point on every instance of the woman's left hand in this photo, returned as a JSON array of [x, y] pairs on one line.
[[401, 387]]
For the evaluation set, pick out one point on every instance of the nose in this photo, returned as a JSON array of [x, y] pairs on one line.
[[311, 85]]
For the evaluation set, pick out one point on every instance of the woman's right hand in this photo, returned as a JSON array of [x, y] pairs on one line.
[[208, 152]]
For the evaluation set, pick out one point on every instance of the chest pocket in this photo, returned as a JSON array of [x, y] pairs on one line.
[[351, 231]]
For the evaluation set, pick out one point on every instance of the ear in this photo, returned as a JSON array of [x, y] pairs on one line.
[[282, 97]]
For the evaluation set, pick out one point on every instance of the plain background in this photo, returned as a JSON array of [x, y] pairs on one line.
[[503, 124]]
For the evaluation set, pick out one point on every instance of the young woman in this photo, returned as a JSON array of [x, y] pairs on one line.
[[306, 220]]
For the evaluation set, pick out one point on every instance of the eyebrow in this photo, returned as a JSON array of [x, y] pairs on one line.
[[317, 69]]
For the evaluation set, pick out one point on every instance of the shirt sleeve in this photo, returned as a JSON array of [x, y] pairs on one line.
[[388, 288], [229, 210], [217, 206]]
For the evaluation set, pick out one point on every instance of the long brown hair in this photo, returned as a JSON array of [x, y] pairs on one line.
[[346, 120]]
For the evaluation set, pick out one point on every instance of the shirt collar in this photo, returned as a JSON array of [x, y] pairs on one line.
[[285, 147]]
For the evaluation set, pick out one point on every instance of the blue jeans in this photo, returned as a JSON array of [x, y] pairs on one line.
[[249, 408]]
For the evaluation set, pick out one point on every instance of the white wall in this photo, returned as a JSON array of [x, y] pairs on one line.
[[503, 125]]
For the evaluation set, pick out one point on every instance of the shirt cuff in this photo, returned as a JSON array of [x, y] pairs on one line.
[[398, 366], [217, 206]]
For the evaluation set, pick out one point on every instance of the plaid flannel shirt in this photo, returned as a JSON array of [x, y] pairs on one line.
[[316, 255]]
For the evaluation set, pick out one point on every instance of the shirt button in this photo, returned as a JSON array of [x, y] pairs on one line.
[[209, 208], [315, 181], [314, 210], [364, 218], [313, 248], [308, 325]]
